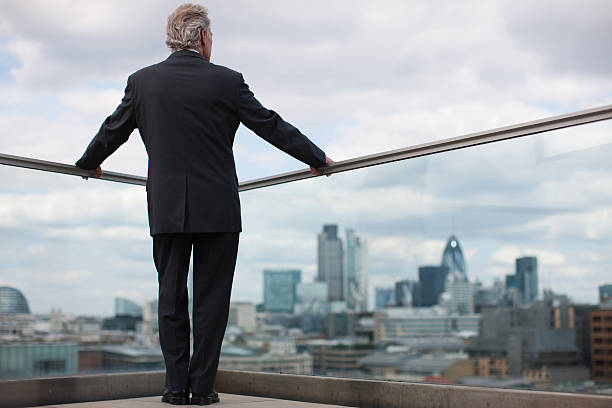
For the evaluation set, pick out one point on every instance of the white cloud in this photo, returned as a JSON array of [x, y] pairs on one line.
[[92, 103], [506, 254]]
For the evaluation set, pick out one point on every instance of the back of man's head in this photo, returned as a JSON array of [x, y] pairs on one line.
[[185, 26]]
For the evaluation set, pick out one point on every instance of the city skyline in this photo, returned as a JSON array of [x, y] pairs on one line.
[[80, 243], [120, 302]]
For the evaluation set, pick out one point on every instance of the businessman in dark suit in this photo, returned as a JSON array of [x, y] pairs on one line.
[[187, 111]]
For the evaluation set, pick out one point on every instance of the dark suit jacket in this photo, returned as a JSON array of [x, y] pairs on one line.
[[187, 111]]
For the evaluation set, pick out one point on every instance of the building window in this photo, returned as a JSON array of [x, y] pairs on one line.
[[50, 365]]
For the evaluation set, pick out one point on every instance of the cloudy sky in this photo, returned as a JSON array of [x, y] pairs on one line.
[[357, 78]]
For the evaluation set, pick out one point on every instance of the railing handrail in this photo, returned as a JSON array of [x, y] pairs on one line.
[[459, 142]]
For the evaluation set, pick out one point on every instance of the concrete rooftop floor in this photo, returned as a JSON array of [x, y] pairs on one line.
[[227, 401]]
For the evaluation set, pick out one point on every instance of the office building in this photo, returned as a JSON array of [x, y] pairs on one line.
[[125, 307], [457, 296], [312, 298], [432, 280], [309, 292], [271, 344], [312, 306], [601, 344], [280, 290], [605, 294], [333, 356], [245, 359], [511, 282], [453, 260], [407, 293], [12, 301], [121, 357], [527, 278], [356, 272], [547, 334], [27, 360], [385, 297], [150, 323], [243, 315], [489, 296], [125, 323], [401, 323], [330, 263]]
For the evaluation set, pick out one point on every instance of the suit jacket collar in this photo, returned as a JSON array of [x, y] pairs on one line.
[[185, 53]]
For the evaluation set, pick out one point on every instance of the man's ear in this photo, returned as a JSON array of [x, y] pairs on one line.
[[203, 39]]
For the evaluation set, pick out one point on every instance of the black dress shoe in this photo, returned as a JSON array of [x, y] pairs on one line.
[[199, 399], [175, 397]]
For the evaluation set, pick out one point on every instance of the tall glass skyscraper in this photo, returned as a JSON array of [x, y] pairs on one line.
[[432, 280], [356, 272], [330, 263], [457, 285], [527, 278], [280, 290], [452, 258]]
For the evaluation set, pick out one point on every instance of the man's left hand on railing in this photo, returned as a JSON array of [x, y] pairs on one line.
[[317, 172], [97, 173]]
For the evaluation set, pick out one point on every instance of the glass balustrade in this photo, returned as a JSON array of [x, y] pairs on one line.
[[481, 266]]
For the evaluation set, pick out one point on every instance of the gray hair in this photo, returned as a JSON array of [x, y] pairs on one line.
[[185, 26]]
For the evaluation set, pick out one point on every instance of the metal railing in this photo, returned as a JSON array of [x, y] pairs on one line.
[[460, 142]]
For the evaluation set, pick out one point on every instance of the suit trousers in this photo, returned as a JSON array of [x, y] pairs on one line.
[[214, 260]]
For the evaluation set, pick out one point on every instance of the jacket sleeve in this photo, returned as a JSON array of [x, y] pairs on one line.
[[115, 131], [268, 125]]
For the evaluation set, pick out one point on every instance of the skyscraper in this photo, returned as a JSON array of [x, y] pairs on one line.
[[280, 290], [330, 262], [457, 286], [356, 272], [385, 297], [432, 279], [452, 258], [527, 278], [407, 293]]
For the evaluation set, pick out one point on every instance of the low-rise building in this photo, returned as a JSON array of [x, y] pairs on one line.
[[337, 355], [241, 358], [27, 360], [490, 367], [399, 323], [243, 315]]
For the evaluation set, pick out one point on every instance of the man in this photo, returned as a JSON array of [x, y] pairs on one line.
[[187, 111]]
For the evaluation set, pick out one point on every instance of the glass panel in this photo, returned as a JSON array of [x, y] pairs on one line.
[[77, 268], [476, 266]]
